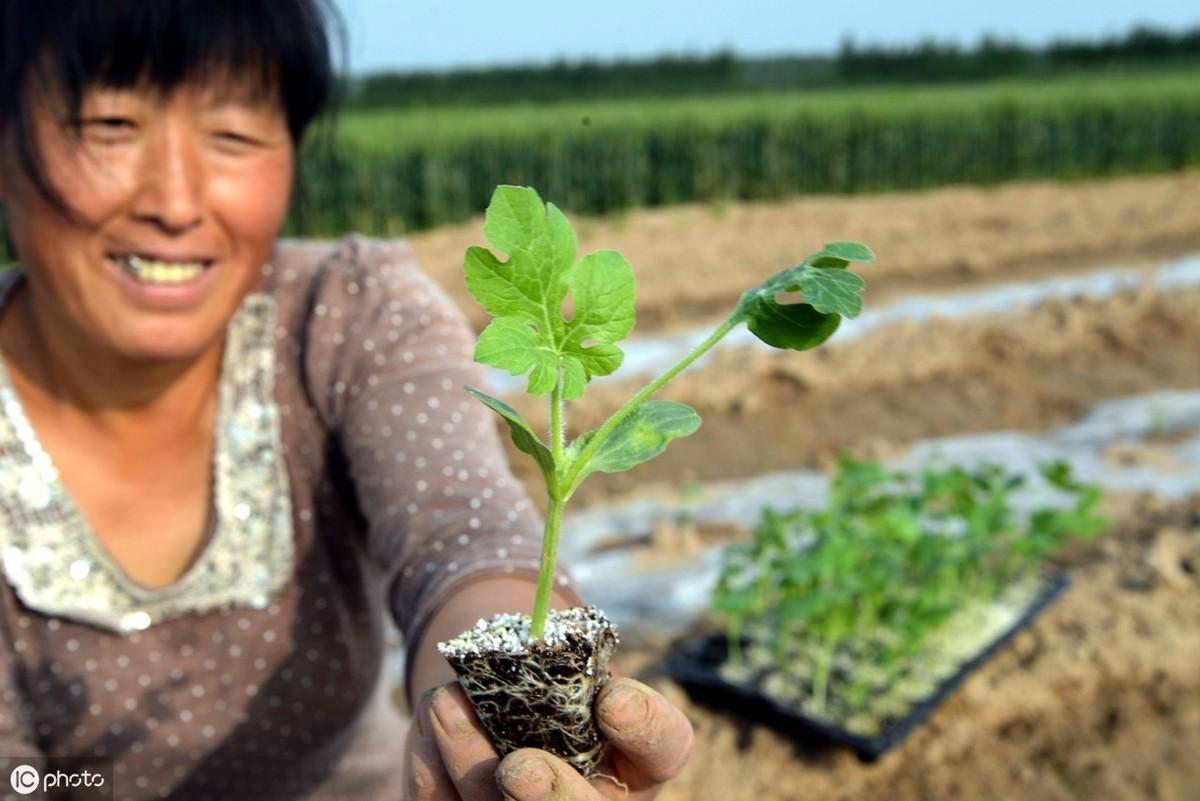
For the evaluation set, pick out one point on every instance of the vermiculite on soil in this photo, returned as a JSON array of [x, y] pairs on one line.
[[538, 694]]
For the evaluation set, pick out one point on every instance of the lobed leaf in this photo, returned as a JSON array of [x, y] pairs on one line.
[[526, 295], [510, 344]]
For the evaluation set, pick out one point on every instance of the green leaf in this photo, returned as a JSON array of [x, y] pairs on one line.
[[832, 291], [510, 344], [829, 291], [522, 435], [738, 602], [849, 251], [526, 294], [603, 299], [640, 437], [574, 377], [794, 326], [1058, 473]]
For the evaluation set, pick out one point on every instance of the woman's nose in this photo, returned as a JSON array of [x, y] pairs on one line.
[[170, 183]]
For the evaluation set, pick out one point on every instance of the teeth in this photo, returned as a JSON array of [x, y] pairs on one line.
[[160, 272]]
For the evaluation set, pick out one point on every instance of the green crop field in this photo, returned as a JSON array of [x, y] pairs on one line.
[[397, 171], [391, 131]]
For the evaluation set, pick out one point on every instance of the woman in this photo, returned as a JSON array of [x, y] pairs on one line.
[[224, 459]]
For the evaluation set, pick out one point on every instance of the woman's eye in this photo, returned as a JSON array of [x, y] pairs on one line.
[[108, 129], [236, 138]]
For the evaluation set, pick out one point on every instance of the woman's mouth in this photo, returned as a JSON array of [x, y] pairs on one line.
[[149, 270]]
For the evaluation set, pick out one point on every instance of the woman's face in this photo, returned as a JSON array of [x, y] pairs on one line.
[[176, 201]]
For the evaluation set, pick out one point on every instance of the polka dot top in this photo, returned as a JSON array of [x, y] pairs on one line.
[[354, 478]]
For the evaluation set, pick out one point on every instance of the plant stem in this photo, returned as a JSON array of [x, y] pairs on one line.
[[821, 678], [557, 425], [562, 489], [611, 423], [733, 636], [541, 604]]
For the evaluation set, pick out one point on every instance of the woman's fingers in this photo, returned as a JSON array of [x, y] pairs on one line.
[[453, 758], [427, 777], [650, 737], [469, 757], [532, 775]]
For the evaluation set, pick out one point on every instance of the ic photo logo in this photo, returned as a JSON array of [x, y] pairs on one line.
[[24, 779]]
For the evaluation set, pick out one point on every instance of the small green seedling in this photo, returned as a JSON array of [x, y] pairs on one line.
[[562, 353], [857, 596]]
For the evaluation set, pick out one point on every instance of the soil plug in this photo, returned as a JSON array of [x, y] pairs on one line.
[[533, 679], [538, 693]]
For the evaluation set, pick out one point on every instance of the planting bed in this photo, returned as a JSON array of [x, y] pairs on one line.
[[1100, 698]]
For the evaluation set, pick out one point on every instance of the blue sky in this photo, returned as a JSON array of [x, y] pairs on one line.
[[403, 35]]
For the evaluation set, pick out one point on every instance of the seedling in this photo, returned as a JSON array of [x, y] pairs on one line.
[[562, 352], [854, 612]]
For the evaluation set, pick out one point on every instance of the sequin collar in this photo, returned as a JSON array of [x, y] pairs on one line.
[[57, 566]]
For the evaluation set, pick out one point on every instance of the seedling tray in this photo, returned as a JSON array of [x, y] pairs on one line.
[[696, 666]]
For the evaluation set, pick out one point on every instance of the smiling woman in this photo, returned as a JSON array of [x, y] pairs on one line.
[[226, 460], [173, 204], [156, 138]]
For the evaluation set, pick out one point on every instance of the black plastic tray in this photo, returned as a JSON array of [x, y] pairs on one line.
[[695, 665]]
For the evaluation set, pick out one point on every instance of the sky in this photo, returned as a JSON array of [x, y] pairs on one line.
[[394, 34]]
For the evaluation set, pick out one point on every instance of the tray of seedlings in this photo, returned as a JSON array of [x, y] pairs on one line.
[[853, 623]]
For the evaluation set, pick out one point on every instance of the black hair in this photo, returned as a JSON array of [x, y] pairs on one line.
[[282, 48]]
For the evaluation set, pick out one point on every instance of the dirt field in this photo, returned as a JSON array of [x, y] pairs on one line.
[[693, 262], [1101, 698]]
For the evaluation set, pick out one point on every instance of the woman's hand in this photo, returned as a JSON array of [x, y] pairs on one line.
[[450, 758]]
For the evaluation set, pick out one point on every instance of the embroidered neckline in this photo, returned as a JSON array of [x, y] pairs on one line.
[[57, 565]]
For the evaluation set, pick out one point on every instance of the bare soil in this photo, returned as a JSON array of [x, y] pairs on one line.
[[693, 262], [1101, 698]]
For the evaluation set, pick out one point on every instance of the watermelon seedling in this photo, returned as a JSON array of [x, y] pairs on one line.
[[533, 678]]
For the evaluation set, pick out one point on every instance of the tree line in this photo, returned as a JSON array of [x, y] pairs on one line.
[[932, 62], [725, 72]]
